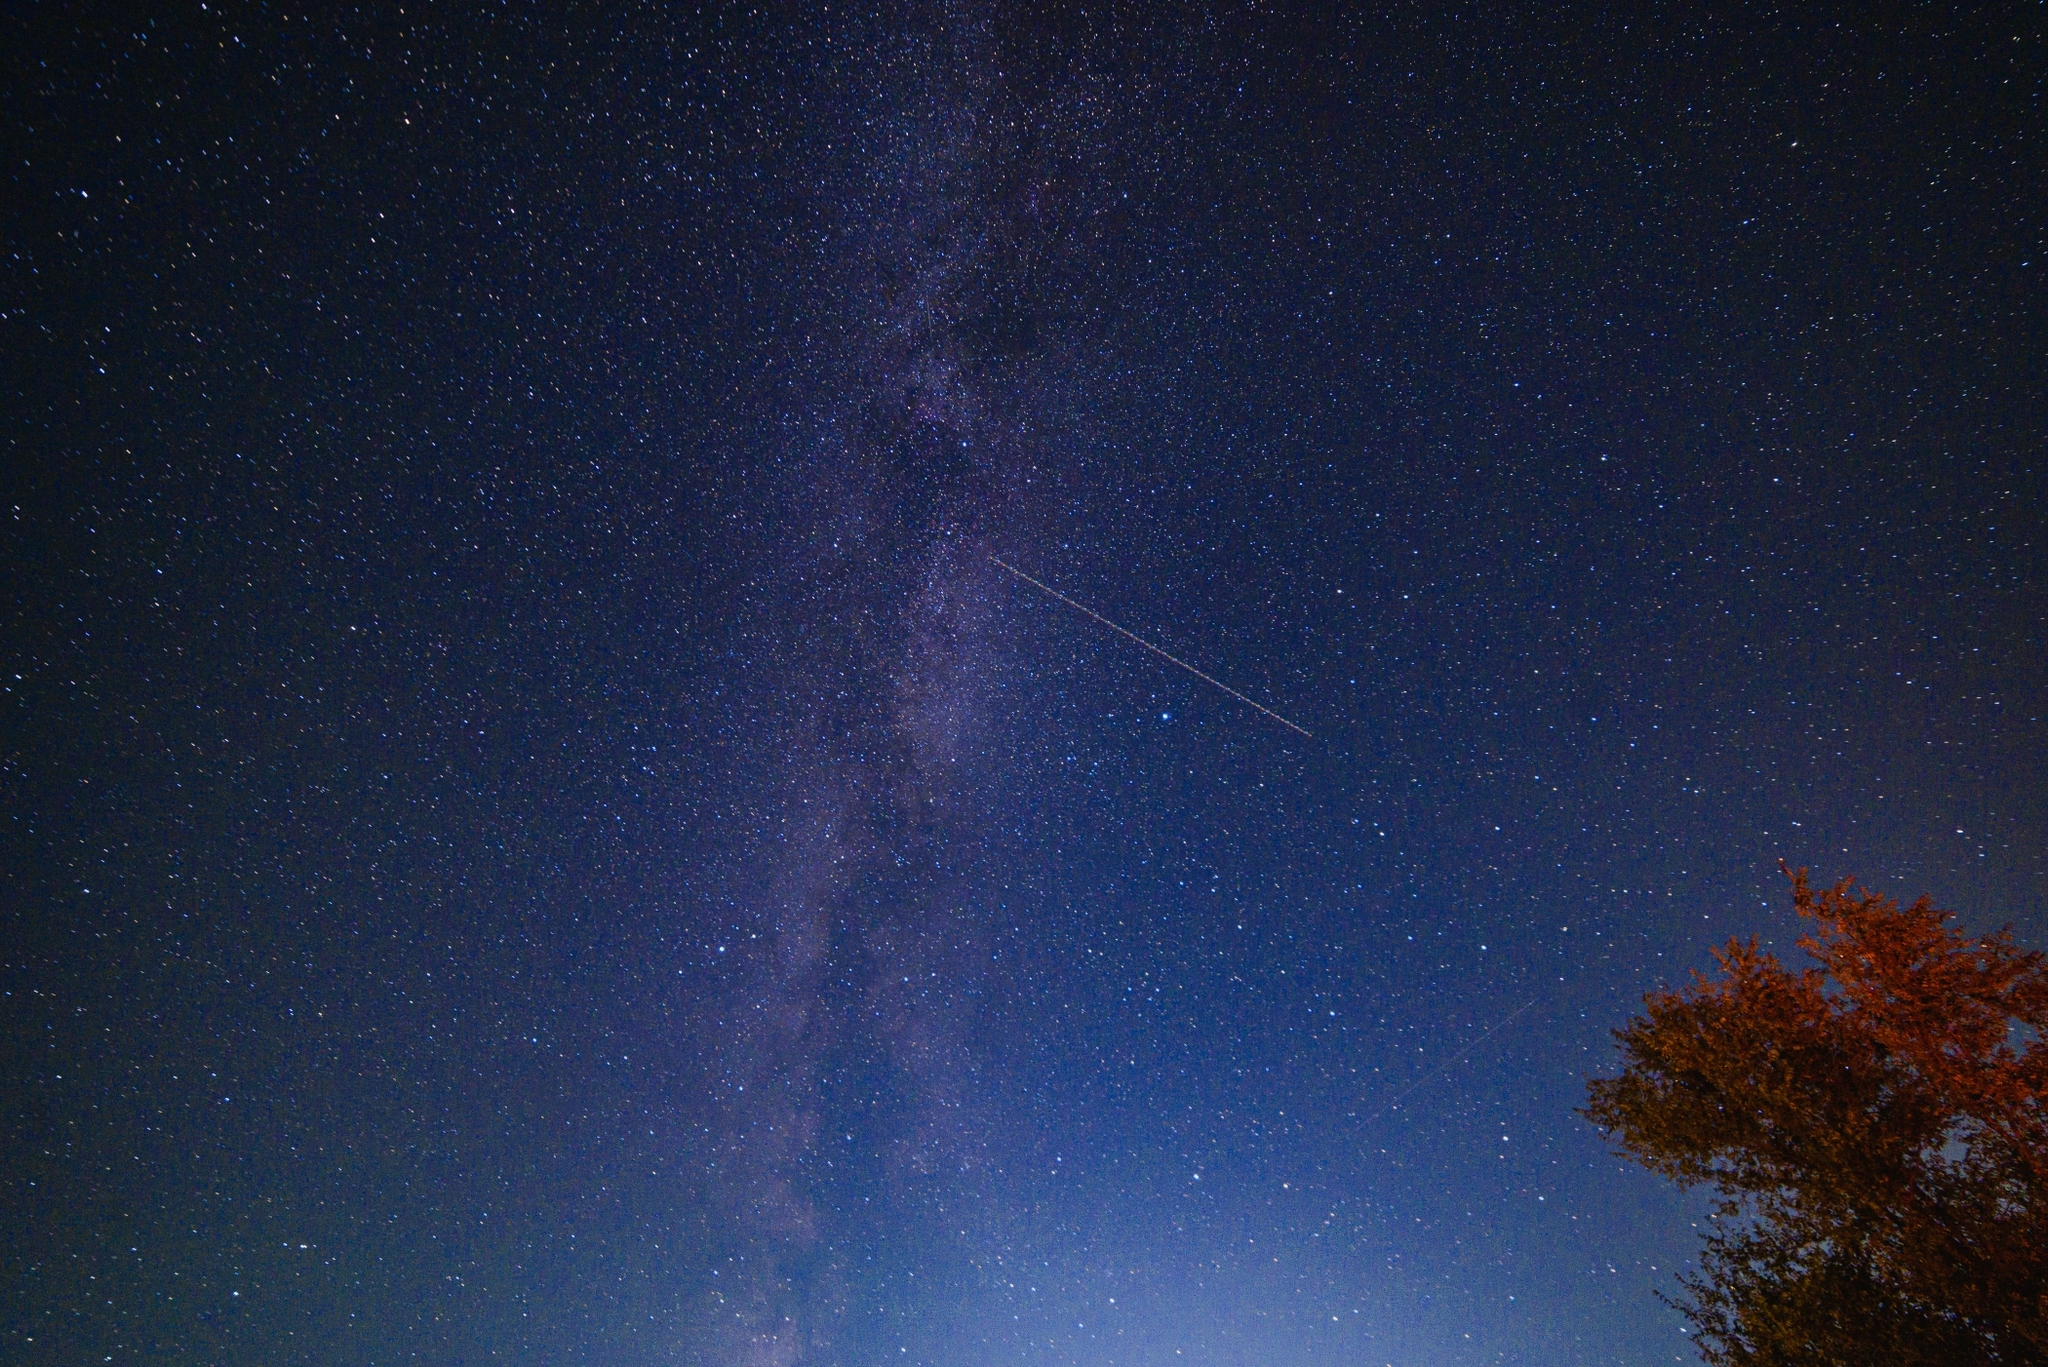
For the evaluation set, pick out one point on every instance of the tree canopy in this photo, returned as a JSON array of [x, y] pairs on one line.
[[1874, 1127]]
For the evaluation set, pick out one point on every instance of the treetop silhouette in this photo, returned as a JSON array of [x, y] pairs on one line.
[[1873, 1125]]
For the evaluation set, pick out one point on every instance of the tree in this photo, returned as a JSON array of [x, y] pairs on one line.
[[1875, 1131]]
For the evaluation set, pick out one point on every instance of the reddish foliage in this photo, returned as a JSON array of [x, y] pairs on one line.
[[1874, 1126]]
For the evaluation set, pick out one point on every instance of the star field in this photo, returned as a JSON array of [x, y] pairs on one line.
[[536, 827]]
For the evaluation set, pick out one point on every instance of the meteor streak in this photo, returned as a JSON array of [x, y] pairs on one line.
[[1049, 589], [1464, 1053]]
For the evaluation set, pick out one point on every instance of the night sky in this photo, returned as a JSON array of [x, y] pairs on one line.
[[536, 829]]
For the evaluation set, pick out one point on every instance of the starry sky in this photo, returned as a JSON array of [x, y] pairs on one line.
[[536, 829]]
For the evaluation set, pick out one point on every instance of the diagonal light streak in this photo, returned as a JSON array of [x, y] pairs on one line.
[[1462, 1055], [1049, 589]]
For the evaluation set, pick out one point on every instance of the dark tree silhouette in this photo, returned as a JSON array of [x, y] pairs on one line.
[[1874, 1127]]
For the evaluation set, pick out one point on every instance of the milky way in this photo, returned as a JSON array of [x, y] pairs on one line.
[[931, 393]]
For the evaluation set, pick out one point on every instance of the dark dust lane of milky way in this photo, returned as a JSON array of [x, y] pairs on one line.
[[570, 793]]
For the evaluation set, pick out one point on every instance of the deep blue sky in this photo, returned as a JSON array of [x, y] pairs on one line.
[[536, 830]]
